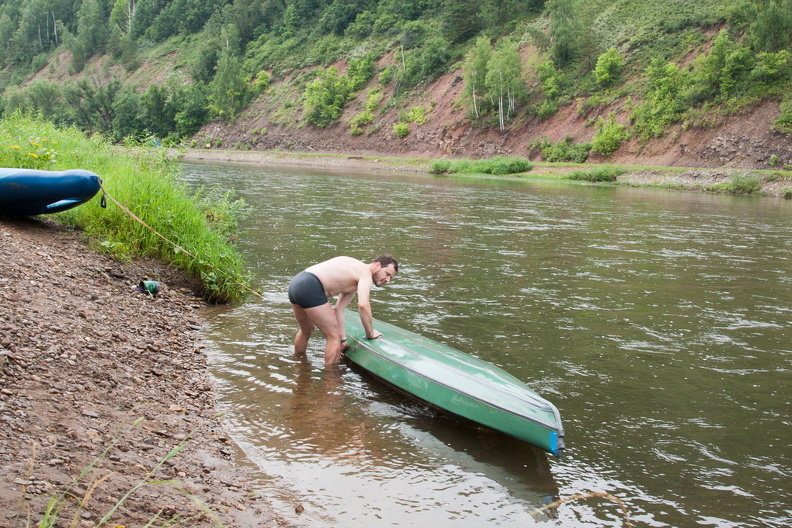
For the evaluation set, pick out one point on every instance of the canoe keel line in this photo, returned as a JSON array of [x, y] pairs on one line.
[[457, 383]]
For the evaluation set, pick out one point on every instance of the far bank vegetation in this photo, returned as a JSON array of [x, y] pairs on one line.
[[636, 67]]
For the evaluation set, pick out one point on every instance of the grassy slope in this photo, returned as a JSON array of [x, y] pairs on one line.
[[146, 185]]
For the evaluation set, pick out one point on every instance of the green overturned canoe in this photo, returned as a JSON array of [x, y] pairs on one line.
[[456, 382]]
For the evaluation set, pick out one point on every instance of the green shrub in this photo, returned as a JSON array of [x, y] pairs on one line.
[[357, 123], [386, 75], [325, 98], [597, 174], [262, 81], [417, 115], [440, 167], [609, 67], [609, 136], [738, 184], [373, 99], [784, 121], [563, 151], [547, 109], [664, 101], [501, 166], [401, 130], [498, 166]]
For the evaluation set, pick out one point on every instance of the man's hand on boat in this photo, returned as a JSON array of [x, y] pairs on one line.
[[374, 335]]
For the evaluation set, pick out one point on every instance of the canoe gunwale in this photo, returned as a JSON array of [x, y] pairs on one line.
[[553, 443], [549, 407]]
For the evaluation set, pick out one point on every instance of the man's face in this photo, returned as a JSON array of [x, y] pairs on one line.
[[383, 275]]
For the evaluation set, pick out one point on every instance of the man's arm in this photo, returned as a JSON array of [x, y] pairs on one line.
[[343, 301], [364, 306]]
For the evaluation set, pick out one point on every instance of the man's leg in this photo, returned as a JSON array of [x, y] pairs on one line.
[[324, 318], [306, 329]]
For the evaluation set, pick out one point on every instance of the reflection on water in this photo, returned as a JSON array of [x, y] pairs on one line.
[[656, 321], [351, 450]]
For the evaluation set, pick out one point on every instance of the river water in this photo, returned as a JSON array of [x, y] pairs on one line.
[[658, 322]]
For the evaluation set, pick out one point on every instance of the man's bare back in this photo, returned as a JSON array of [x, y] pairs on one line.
[[341, 275]]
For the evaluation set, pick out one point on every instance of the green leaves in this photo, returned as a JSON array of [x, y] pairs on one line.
[[326, 96], [609, 67], [609, 136]]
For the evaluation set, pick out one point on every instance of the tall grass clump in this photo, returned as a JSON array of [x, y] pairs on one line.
[[598, 174], [738, 184], [498, 166], [200, 223]]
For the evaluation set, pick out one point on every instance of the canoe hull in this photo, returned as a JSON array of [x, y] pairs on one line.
[[456, 383], [28, 192]]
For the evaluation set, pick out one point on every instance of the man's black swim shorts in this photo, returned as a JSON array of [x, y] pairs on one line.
[[306, 290]]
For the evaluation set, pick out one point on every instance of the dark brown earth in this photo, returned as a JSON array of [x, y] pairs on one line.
[[99, 384]]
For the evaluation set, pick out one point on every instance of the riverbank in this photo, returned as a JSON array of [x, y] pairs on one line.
[[772, 183], [103, 387]]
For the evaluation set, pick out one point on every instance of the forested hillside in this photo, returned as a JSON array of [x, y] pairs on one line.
[[705, 82]]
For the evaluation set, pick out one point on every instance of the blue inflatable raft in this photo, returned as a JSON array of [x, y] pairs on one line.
[[28, 192]]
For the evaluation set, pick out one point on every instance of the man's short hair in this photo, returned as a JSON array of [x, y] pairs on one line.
[[386, 260]]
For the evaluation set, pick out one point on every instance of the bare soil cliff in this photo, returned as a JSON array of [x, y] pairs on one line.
[[744, 141]]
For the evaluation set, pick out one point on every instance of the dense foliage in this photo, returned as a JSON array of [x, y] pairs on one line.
[[598, 53], [202, 224]]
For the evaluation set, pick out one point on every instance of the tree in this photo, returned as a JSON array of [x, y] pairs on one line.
[[91, 103], [91, 33], [126, 110], [565, 30], [609, 136], [192, 103], [772, 29], [227, 91], [609, 67], [504, 79], [157, 113], [47, 99], [461, 20], [475, 71], [122, 14]]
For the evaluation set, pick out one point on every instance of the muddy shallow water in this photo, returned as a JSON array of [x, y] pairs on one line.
[[656, 321]]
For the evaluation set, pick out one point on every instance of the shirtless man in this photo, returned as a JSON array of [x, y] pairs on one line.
[[342, 276]]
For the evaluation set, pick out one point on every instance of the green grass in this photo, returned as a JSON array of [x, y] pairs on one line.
[[201, 224], [598, 174], [738, 184], [498, 166]]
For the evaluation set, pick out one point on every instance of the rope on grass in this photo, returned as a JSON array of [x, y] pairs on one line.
[[607, 496], [121, 206]]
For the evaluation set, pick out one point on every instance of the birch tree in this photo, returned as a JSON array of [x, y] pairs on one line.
[[475, 71], [504, 80]]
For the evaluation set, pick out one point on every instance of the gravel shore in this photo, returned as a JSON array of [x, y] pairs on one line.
[[99, 384]]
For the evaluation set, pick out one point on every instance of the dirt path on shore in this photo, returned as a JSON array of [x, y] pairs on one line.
[[100, 378]]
